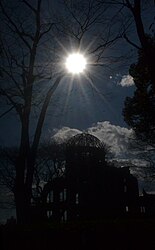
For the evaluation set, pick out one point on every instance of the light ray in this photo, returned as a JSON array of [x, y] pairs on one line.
[[68, 91], [102, 97]]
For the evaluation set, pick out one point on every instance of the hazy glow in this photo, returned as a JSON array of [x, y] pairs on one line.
[[76, 63]]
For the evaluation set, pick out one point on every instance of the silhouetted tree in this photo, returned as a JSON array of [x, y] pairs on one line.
[[31, 72], [147, 44], [49, 165], [131, 16], [139, 110]]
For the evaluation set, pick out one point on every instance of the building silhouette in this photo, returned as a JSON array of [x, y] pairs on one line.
[[94, 188], [91, 188]]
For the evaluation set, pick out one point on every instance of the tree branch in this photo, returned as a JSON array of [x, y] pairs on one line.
[[30, 6], [43, 113], [14, 25], [106, 44], [6, 112], [46, 31], [130, 42], [17, 106]]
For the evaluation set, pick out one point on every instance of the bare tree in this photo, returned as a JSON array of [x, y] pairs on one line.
[[49, 165], [131, 14], [25, 67], [31, 71], [132, 18]]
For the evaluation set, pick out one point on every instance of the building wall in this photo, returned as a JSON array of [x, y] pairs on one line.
[[101, 190]]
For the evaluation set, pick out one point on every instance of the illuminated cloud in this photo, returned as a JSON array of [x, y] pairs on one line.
[[116, 137], [122, 149], [64, 134], [126, 81]]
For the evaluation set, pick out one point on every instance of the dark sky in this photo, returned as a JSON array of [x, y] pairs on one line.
[[78, 105], [80, 108], [81, 105]]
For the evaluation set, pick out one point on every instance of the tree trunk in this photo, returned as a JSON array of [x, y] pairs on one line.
[[22, 208], [148, 49], [21, 193]]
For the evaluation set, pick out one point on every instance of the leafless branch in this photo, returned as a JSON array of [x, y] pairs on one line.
[[6, 112], [30, 6], [20, 34], [130, 42]]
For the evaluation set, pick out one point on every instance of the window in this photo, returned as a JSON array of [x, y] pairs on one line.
[[77, 199], [50, 197], [65, 215], [125, 188], [127, 209], [142, 209], [49, 214], [65, 194], [62, 196]]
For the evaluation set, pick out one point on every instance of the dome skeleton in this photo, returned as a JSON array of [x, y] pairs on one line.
[[85, 140]]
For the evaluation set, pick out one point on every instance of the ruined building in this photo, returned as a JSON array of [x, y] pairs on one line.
[[91, 188], [94, 188]]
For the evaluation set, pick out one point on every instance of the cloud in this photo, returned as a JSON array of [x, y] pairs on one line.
[[126, 81], [123, 151], [116, 137], [64, 134]]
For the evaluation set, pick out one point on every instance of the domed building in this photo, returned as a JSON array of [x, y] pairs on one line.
[[85, 157], [84, 153], [91, 187], [94, 188]]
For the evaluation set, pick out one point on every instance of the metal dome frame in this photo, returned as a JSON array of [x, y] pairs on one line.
[[85, 140]]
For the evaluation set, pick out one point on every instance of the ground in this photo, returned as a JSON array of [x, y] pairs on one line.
[[121, 234]]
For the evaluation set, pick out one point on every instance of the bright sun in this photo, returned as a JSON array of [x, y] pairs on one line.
[[76, 63]]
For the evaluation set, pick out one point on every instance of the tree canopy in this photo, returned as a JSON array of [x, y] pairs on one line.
[[139, 110]]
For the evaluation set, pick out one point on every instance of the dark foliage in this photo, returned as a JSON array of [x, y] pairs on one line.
[[139, 110]]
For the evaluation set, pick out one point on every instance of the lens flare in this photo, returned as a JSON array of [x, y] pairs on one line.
[[76, 63]]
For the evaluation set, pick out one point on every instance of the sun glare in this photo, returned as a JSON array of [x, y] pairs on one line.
[[76, 63]]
